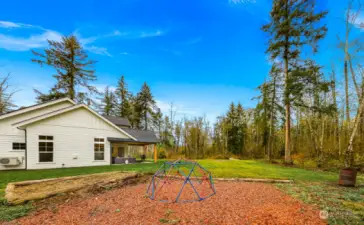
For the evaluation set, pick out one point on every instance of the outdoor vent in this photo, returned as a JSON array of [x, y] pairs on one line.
[[9, 161]]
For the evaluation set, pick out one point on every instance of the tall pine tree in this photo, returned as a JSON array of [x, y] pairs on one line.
[[144, 107], [294, 24], [108, 103], [73, 68], [123, 97]]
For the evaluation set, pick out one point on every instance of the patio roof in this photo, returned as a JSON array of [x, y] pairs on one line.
[[141, 136]]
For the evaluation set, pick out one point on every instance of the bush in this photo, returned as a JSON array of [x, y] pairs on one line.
[[175, 155], [219, 157], [162, 154], [299, 159]]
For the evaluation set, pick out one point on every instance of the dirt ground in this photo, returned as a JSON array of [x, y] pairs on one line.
[[234, 203]]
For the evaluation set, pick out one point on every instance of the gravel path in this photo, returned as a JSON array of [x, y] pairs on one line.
[[235, 203]]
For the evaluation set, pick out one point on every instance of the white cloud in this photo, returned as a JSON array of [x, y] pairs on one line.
[[124, 53], [178, 109], [358, 22], [117, 33], [241, 1], [152, 34], [85, 42], [101, 87], [11, 25], [7, 24], [21, 43], [98, 50], [24, 44], [12, 43]]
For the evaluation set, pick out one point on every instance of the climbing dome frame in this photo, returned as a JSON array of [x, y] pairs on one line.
[[181, 181]]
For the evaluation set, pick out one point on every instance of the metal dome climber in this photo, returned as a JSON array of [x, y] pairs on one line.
[[181, 181]]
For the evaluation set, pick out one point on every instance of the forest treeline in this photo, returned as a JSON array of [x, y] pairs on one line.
[[302, 113]]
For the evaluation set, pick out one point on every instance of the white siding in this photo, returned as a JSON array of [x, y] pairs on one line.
[[10, 134], [73, 134]]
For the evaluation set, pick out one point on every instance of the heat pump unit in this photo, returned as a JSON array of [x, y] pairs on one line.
[[9, 161]]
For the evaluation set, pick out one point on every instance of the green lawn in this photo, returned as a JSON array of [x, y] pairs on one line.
[[219, 168], [260, 169]]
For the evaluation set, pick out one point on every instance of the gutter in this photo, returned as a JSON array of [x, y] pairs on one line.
[[26, 148]]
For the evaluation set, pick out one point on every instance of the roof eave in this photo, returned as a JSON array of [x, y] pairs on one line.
[[35, 107]]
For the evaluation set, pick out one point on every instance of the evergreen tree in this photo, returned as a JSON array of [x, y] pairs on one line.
[[123, 96], [144, 107], [73, 68], [241, 124], [294, 24], [262, 115], [108, 103]]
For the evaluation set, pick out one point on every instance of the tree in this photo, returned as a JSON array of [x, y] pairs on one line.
[[144, 106], [108, 103], [346, 46], [123, 96], [73, 69], [293, 25], [6, 95]]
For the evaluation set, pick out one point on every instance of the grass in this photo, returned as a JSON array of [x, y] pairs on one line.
[[260, 169], [344, 205], [219, 168]]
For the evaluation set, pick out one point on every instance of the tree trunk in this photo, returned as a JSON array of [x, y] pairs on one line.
[[349, 155], [146, 119], [354, 78], [336, 116], [347, 92], [271, 129], [312, 137], [287, 152]]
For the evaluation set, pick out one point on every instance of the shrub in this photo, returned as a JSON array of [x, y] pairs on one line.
[[299, 159], [175, 155], [162, 154], [219, 157]]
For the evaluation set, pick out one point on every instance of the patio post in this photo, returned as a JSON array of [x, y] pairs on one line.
[[155, 153]]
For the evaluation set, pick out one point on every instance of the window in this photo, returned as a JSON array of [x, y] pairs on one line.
[[18, 146], [45, 148], [99, 147]]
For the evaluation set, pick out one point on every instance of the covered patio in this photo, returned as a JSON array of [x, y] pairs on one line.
[[125, 151]]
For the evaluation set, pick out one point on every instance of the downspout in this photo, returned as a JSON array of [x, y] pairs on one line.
[[26, 148]]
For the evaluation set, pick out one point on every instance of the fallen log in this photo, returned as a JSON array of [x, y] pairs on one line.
[[20, 192]]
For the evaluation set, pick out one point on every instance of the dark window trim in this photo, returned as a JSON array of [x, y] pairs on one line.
[[99, 148], [19, 146], [47, 145]]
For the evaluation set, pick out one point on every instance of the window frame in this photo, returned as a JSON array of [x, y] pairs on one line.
[[21, 146], [100, 141], [46, 139]]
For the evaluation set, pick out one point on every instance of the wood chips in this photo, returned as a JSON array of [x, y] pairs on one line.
[[234, 203]]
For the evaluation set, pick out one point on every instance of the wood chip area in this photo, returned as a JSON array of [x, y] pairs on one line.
[[234, 203]]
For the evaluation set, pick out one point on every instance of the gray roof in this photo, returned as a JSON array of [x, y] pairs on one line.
[[118, 121], [145, 136]]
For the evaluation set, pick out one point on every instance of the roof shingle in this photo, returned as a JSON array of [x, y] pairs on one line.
[[118, 121]]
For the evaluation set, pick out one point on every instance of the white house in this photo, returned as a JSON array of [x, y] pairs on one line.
[[62, 133]]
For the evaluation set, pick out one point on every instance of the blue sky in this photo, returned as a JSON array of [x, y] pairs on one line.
[[200, 55]]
